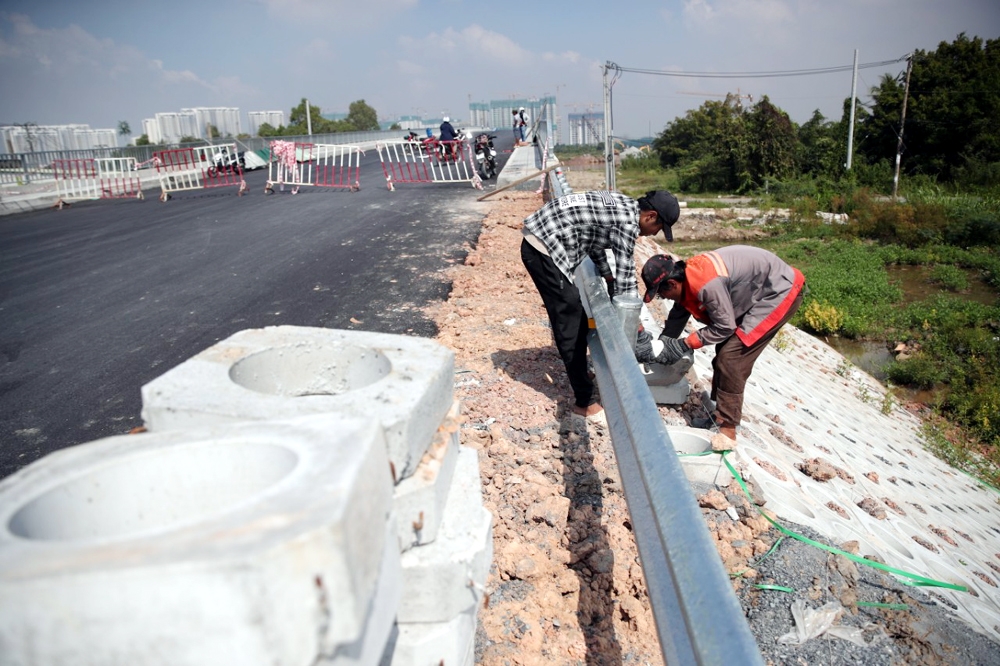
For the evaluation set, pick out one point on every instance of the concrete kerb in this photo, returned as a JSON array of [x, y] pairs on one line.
[[212, 545]]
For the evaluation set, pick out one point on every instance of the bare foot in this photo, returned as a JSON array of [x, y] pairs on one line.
[[588, 411]]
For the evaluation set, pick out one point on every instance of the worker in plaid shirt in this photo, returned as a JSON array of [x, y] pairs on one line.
[[559, 235]]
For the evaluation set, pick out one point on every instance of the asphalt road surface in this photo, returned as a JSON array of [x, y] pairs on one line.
[[102, 297]]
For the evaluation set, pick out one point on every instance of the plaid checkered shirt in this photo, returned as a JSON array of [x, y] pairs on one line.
[[586, 224]]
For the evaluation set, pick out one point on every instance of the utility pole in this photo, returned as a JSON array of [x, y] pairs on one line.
[[902, 120], [609, 149], [309, 122], [854, 94]]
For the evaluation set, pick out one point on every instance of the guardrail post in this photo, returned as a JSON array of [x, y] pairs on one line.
[[629, 307]]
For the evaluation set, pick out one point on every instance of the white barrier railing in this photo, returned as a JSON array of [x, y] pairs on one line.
[[313, 165], [96, 178], [428, 162], [201, 167]]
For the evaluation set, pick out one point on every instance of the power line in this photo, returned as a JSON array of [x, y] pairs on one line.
[[755, 75]]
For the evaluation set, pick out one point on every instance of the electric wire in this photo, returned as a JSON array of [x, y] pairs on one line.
[[755, 75]]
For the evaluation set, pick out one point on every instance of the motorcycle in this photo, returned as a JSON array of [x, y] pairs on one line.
[[486, 155], [226, 162]]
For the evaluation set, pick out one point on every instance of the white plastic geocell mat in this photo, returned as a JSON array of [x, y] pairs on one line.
[[804, 400]]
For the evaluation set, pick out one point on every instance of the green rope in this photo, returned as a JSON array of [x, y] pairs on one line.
[[915, 579]]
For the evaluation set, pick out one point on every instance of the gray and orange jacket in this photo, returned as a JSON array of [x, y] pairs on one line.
[[736, 289]]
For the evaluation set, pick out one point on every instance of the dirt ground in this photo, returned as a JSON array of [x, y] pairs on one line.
[[566, 586]]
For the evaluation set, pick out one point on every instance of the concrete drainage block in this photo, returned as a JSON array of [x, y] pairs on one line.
[[239, 544], [447, 577], [698, 468], [420, 499], [667, 383], [282, 371]]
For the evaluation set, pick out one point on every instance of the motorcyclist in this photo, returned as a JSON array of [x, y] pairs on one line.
[[449, 134]]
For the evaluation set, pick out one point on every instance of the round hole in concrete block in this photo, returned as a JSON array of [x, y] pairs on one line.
[[154, 490], [301, 370], [685, 441]]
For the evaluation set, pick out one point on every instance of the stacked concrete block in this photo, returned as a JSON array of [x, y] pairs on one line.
[[420, 498], [239, 544], [444, 581], [406, 385]]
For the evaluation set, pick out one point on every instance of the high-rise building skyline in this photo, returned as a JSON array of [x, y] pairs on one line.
[[29, 138], [257, 118]]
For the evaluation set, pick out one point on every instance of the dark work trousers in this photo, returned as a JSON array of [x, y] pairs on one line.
[[567, 316], [732, 366]]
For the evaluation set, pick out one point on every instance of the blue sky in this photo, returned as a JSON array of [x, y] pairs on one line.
[[100, 62]]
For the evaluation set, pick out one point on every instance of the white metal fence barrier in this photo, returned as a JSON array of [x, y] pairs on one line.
[[430, 161], [96, 178], [200, 167], [314, 165]]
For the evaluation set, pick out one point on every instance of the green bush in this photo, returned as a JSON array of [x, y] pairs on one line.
[[949, 277], [918, 371]]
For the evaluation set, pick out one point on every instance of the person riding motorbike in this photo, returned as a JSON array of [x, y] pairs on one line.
[[448, 134]]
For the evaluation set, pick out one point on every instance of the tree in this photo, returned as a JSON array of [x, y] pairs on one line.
[[704, 146], [954, 101], [297, 124], [124, 129], [818, 150], [213, 132], [143, 140], [362, 117], [771, 144]]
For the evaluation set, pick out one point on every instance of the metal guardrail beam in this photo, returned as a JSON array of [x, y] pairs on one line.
[[698, 617]]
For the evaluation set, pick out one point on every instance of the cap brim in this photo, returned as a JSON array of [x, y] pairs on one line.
[[653, 290], [668, 233]]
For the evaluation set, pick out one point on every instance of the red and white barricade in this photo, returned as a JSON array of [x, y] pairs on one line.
[[96, 178], [314, 165], [199, 168], [428, 162]]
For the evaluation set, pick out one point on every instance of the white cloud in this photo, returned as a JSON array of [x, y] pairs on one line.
[[475, 42]]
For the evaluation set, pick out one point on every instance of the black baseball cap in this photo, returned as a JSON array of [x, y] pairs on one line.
[[657, 270], [666, 207]]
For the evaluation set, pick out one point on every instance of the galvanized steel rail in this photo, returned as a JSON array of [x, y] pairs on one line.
[[698, 618]]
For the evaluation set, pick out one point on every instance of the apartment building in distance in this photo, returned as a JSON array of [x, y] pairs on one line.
[[257, 118], [170, 127], [498, 113], [30, 138], [586, 128]]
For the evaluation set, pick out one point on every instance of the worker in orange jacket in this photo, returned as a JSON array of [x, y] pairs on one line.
[[743, 295]]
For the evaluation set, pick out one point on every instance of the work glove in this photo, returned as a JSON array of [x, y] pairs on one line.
[[644, 347], [610, 279], [673, 350]]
